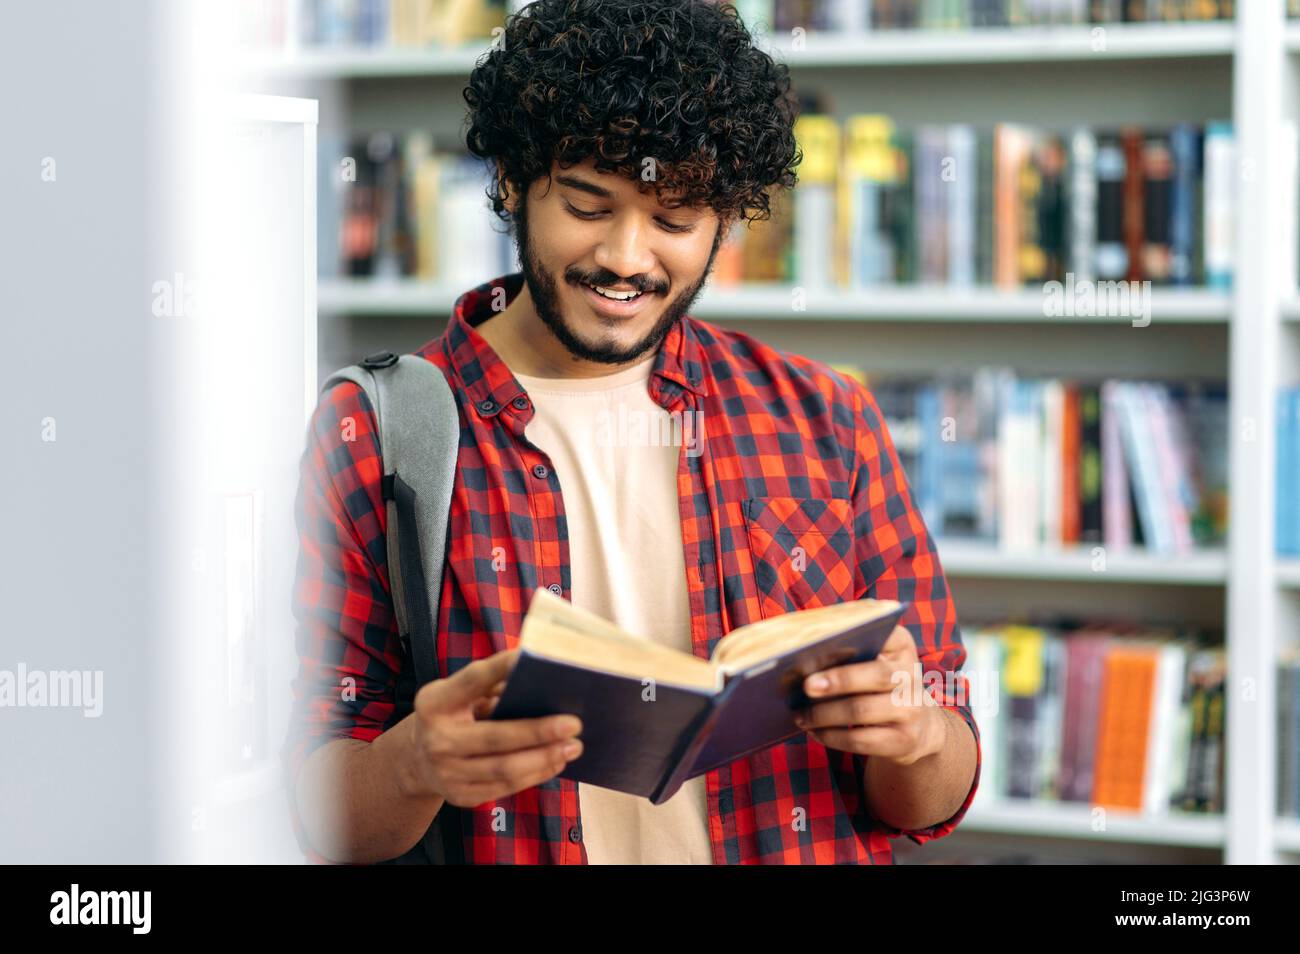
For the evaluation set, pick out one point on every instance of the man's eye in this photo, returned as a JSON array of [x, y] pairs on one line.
[[580, 213]]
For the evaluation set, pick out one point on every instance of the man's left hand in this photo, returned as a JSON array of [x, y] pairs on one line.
[[876, 708]]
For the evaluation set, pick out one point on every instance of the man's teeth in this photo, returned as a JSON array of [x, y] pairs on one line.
[[616, 295]]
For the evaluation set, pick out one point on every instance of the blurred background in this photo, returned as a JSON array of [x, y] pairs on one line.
[[1057, 238]]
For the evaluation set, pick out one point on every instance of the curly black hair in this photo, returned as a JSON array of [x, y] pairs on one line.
[[620, 81]]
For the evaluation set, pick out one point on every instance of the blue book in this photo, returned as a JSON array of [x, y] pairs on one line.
[[1286, 477], [1185, 145], [653, 716]]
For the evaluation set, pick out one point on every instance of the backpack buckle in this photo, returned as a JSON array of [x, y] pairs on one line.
[[380, 359]]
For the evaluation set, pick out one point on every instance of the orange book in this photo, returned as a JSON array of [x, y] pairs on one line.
[[1010, 153], [1071, 505], [1123, 725], [729, 264]]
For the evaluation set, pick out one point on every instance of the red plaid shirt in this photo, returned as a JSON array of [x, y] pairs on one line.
[[794, 455]]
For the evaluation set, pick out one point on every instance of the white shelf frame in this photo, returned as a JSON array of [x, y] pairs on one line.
[[1254, 347]]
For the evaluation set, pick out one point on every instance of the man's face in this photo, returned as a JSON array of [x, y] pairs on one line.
[[588, 228]]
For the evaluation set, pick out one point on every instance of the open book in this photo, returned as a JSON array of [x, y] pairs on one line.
[[653, 717]]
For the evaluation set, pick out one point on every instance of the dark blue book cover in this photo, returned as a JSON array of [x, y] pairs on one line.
[[646, 736]]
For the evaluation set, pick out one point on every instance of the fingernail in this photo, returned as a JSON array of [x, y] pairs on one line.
[[572, 749], [818, 683], [567, 727]]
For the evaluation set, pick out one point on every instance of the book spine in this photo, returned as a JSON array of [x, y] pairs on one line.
[[1068, 779], [1090, 468], [689, 745], [1294, 697], [1112, 257], [814, 214], [1220, 175], [1185, 147], [1094, 660], [1134, 211], [1116, 527], [962, 205], [1083, 204], [984, 217], [1071, 432], [1157, 186], [1009, 156], [1285, 468]]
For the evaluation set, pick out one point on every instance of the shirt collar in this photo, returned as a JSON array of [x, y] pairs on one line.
[[678, 364]]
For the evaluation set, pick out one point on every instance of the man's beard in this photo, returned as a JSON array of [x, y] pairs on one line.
[[546, 299]]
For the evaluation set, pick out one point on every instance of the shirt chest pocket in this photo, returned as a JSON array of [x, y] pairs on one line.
[[802, 552]]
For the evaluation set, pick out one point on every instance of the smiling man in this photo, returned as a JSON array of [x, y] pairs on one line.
[[627, 138]]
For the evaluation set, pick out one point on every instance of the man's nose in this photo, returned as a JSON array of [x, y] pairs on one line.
[[625, 250]]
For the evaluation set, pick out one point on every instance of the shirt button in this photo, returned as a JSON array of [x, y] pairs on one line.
[[556, 589], [520, 402], [487, 407], [540, 471], [575, 834]]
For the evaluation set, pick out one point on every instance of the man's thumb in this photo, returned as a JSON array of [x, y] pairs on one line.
[[468, 685]]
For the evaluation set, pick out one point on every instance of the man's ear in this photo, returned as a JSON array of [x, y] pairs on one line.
[[512, 200], [726, 223]]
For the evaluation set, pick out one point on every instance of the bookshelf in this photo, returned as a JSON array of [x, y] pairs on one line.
[[1247, 71]]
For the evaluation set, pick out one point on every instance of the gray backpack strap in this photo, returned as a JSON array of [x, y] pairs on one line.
[[418, 424], [419, 438]]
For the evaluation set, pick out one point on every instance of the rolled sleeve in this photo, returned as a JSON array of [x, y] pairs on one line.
[[896, 560]]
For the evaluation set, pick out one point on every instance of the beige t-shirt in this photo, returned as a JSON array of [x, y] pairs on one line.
[[618, 479]]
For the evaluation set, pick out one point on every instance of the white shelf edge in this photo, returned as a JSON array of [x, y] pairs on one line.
[[1290, 309], [1010, 45], [360, 62], [1055, 820], [1292, 37], [1286, 833], [1288, 571], [1207, 567], [1028, 44], [773, 302]]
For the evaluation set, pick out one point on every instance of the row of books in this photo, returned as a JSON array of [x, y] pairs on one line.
[[843, 15], [1287, 496], [1025, 463], [394, 207], [1115, 716], [277, 24], [1009, 206], [420, 23]]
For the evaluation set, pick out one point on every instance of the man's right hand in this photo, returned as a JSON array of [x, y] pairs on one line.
[[467, 759]]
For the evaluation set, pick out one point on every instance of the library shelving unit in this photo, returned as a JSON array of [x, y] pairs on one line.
[[1246, 71]]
